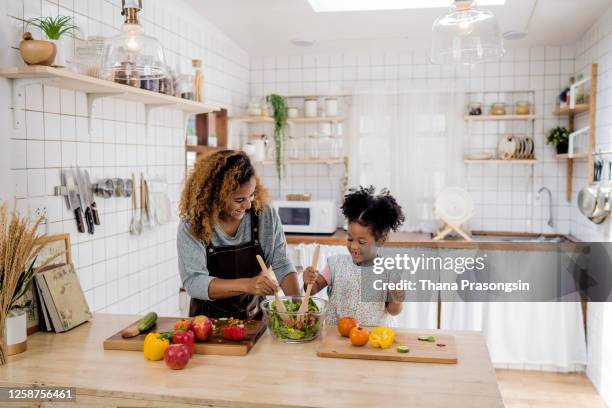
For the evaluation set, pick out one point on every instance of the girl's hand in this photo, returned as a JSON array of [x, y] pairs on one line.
[[262, 285], [310, 275]]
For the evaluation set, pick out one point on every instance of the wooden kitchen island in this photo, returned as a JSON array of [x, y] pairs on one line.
[[272, 374]]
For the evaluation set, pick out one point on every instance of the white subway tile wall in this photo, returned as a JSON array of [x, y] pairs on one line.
[[596, 47], [504, 195], [120, 273]]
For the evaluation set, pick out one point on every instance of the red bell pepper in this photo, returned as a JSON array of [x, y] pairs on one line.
[[185, 337], [236, 333]]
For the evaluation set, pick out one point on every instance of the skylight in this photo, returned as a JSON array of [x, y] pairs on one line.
[[323, 6]]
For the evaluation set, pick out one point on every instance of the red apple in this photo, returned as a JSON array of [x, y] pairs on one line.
[[201, 327], [176, 356], [185, 337]]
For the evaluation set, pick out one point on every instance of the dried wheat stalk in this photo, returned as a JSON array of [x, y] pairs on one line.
[[18, 250]]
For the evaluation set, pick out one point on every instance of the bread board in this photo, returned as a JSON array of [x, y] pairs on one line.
[[442, 351], [216, 345]]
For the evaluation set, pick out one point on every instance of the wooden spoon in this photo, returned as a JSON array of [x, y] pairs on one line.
[[304, 306], [280, 306]]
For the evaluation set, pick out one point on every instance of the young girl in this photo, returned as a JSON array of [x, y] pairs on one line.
[[371, 218]]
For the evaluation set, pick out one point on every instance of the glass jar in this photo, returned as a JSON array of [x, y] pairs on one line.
[[185, 87], [311, 107], [498, 109], [335, 151], [292, 148], [475, 109], [254, 109], [292, 112], [166, 84], [312, 147], [198, 80], [522, 108], [331, 107]]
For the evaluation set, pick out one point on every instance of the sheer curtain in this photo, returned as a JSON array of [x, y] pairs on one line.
[[409, 138]]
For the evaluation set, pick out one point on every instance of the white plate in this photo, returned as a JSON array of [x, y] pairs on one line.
[[479, 156], [506, 147], [530, 146], [455, 205]]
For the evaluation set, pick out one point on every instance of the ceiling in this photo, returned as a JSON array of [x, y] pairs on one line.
[[266, 27]]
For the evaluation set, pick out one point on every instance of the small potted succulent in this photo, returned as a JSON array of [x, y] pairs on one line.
[[559, 138], [55, 28]]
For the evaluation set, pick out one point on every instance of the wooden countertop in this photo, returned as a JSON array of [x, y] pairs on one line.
[[273, 374], [424, 240]]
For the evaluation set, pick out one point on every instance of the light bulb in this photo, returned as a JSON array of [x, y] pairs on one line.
[[133, 35], [465, 28]]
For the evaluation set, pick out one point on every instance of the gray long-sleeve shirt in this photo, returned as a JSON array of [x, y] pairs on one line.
[[192, 251]]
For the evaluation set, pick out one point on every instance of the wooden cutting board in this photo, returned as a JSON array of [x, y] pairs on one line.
[[216, 345], [335, 346]]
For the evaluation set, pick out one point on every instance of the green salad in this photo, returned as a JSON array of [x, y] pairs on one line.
[[293, 328]]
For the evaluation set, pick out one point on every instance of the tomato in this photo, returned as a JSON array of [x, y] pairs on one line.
[[181, 325], [345, 325], [359, 336]]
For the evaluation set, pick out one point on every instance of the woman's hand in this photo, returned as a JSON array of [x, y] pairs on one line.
[[262, 285], [310, 275]]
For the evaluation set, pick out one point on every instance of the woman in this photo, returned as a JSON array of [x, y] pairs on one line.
[[225, 222]]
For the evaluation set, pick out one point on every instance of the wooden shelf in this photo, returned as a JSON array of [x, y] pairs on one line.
[[589, 155], [330, 119], [578, 109], [252, 119], [485, 118], [498, 161], [63, 78], [267, 119], [305, 161], [577, 156]]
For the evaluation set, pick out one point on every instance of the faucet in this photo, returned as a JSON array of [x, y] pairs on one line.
[[550, 213]]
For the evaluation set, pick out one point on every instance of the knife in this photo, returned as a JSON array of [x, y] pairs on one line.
[[90, 198], [73, 201], [83, 198]]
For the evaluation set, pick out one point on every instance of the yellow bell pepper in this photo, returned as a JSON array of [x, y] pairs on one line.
[[154, 346], [382, 337]]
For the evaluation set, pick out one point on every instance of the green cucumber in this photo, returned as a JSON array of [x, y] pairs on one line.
[[147, 322], [403, 349], [430, 339]]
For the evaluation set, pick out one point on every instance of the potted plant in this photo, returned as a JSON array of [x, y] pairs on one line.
[[54, 28], [36, 52], [279, 104], [559, 138], [18, 251]]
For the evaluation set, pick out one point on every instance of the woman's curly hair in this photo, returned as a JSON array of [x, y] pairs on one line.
[[215, 177], [381, 213]]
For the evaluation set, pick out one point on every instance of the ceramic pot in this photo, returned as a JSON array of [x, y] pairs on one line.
[[16, 333], [37, 52], [562, 148]]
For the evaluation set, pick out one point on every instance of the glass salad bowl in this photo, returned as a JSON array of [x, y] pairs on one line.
[[294, 327]]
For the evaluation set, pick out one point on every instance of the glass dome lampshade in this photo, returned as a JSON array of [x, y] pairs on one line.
[[466, 36], [132, 56]]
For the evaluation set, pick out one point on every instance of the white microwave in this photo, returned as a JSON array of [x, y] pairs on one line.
[[310, 217]]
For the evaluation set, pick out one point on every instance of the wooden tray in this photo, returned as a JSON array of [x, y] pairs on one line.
[[215, 345], [335, 346]]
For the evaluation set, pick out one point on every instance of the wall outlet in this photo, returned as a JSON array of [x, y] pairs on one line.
[[41, 211]]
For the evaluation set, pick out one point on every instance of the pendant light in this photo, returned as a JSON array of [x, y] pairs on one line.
[[466, 36], [132, 57]]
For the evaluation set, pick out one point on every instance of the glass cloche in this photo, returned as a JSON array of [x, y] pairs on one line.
[[132, 57], [466, 35]]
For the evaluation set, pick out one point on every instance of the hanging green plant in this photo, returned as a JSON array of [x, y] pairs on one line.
[[279, 104]]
